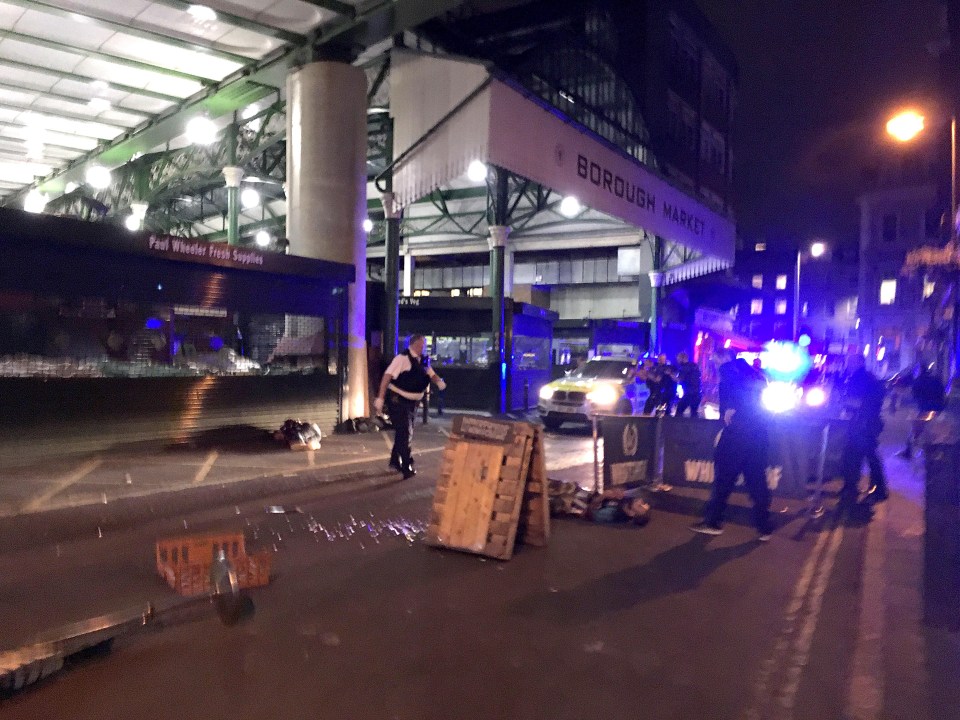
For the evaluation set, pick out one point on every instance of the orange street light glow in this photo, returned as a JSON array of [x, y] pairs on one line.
[[905, 126]]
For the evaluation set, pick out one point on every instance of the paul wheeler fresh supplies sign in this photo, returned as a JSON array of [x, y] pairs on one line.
[[199, 250]]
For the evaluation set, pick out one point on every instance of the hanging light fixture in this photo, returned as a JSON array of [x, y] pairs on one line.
[[570, 207], [476, 172], [201, 130], [98, 177], [249, 198]]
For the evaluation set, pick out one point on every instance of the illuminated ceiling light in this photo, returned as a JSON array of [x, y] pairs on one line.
[[905, 126], [201, 130], [71, 186], [376, 110], [253, 179], [35, 201], [202, 13], [367, 225], [100, 84], [132, 222], [818, 249], [79, 18], [262, 238], [97, 177], [249, 198], [570, 206], [476, 172], [99, 104]]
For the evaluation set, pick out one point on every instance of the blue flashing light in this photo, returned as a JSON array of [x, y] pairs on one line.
[[154, 323], [216, 343], [804, 340], [785, 361], [503, 371]]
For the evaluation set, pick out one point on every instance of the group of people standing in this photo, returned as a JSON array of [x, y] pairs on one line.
[[671, 386]]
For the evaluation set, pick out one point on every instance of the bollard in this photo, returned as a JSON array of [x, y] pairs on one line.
[[526, 395]]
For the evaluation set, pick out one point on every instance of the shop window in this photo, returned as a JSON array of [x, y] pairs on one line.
[[780, 307], [531, 353], [781, 282], [43, 336], [757, 281], [888, 292], [756, 306], [475, 292], [462, 351]]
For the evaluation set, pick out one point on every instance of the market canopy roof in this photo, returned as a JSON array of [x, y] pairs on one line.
[[450, 112]]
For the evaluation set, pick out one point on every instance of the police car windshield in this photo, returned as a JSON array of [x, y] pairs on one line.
[[602, 370]]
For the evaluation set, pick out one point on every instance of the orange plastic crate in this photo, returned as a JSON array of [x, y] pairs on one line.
[[184, 561]]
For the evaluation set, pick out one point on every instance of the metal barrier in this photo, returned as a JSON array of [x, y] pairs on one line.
[[804, 452]]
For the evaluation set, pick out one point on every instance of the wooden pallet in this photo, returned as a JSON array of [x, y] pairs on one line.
[[492, 489]]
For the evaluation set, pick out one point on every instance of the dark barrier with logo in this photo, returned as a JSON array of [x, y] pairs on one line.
[[796, 452], [629, 448]]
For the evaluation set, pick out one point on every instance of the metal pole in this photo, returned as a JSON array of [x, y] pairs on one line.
[[498, 239], [953, 238], [796, 299], [656, 280], [391, 325], [233, 190], [597, 475]]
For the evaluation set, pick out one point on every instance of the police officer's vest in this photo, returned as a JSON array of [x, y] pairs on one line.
[[414, 380]]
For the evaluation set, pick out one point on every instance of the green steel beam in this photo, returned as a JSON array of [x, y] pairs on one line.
[[287, 36], [71, 99], [106, 57], [98, 21], [60, 74]]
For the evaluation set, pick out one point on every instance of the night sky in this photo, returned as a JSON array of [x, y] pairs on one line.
[[817, 80]]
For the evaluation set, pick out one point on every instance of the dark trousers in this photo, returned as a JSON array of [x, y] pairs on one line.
[[691, 401], [402, 414], [742, 449], [861, 445]]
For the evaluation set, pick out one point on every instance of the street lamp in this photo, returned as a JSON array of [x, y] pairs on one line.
[[904, 127], [816, 250], [907, 125]]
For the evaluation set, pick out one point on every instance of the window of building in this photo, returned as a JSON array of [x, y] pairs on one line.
[[475, 292], [682, 122], [713, 148], [781, 282], [888, 292], [757, 281], [421, 293], [890, 227], [756, 306], [780, 307], [760, 247]]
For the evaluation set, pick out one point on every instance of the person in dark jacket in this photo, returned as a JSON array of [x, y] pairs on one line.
[[742, 448], [928, 393], [863, 402], [652, 375], [688, 377], [406, 380]]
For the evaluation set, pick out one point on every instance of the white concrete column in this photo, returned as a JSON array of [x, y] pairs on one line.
[[327, 191], [508, 261], [408, 267]]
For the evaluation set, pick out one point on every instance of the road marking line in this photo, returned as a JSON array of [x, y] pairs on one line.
[[206, 467], [62, 484], [865, 700], [804, 641], [770, 665], [444, 432]]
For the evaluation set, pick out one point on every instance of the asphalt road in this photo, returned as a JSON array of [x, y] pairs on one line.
[[361, 620]]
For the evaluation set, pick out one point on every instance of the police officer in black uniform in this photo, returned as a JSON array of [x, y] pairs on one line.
[[863, 402], [743, 449], [404, 383]]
